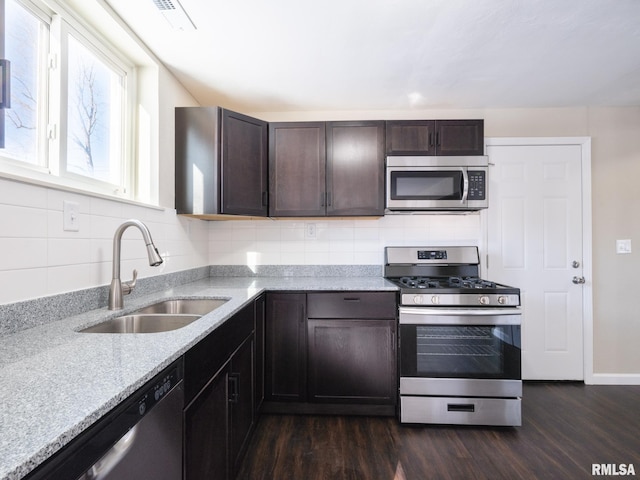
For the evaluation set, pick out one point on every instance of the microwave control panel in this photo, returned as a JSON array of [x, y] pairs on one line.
[[477, 185]]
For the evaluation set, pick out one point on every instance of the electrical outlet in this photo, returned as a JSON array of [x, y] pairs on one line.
[[70, 216], [310, 231], [623, 246]]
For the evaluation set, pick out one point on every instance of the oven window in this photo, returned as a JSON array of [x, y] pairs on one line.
[[431, 185], [453, 351]]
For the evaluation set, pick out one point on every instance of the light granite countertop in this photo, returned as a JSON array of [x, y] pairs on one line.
[[56, 382]]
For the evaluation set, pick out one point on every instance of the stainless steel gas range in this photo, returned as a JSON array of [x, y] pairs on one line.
[[460, 351]]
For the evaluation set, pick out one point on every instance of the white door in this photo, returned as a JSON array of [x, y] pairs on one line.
[[534, 235]]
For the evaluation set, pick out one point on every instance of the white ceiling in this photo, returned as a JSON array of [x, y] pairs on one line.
[[297, 55]]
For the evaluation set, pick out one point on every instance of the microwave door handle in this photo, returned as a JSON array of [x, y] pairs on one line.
[[465, 186]]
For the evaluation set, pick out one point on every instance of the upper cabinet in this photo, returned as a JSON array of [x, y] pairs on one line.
[[435, 137], [221, 162], [326, 169], [297, 159]]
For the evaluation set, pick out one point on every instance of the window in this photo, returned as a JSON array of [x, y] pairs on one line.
[[71, 101]]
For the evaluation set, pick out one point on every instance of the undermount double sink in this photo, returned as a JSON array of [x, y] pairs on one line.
[[160, 317]]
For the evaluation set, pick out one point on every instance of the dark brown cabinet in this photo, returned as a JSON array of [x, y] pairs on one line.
[[297, 157], [331, 352], [435, 137], [326, 169], [352, 347], [221, 162], [355, 168], [219, 410], [286, 348], [260, 304]]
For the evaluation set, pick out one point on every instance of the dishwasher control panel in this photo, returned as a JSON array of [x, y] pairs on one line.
[[157, 391]]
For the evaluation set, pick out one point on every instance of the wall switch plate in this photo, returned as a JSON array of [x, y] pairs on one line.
[[70, 216], [623, 246], [310, 230]]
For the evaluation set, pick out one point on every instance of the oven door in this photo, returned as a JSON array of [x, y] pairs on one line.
[[460, 343]]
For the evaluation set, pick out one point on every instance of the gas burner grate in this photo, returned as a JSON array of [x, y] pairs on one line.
[[451, 282]]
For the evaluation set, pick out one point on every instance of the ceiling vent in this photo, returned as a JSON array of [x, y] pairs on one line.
[[175, 14]]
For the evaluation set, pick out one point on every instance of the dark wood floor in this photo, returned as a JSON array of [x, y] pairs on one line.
[[566, 428]]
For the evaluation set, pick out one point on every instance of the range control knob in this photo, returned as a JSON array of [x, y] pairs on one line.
[[502, 300], [484, 300], [418, 299], [435, 300]]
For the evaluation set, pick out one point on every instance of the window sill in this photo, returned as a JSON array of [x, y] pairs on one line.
[[48, 183]]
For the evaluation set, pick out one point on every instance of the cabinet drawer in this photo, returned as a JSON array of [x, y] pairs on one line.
[[461, 411], [351, 305]]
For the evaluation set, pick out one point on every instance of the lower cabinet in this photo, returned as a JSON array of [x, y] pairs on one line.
[[332, 352], [285, 347], [219, 417], [352, 361]]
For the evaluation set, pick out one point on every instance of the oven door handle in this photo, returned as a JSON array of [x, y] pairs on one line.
[[459, 316]]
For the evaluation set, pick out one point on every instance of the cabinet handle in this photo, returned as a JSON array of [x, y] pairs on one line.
[[351, 299], [437, 139], [322, 199], [265, 199], [234, 387], [328, 199], [431, 140]]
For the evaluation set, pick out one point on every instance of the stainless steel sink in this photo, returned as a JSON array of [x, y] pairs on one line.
[[160, 317], [188, 306], [146, 323]]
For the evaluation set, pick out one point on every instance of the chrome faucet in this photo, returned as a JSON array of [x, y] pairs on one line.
[[118, 289]]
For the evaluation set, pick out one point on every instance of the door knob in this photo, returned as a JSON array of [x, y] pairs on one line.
[[578, 280], [575, 264]]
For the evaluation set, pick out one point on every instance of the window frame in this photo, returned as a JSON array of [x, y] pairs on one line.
[[52, 166]]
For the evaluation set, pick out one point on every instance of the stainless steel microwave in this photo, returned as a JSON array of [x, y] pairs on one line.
[[436, 183]]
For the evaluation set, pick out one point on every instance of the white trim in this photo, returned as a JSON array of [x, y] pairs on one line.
[[615, 379], [587, 237], [47, 183]]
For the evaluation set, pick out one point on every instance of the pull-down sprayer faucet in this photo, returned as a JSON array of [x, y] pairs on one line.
[[118, 289]]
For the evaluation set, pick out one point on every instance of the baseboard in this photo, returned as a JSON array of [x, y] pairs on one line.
[[614, 379]]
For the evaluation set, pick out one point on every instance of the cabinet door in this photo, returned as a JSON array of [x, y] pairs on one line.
[[355, 168], [197, 172], [352, 361], [297, 158], [410, 137], [244, 161], [206, 423], [260, 313], [241, 398], [460, 137], [285, 340]]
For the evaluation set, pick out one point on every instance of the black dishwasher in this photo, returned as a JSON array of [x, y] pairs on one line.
[[141, 438]]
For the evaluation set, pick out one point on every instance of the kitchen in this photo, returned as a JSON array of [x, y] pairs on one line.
[[46, 260]]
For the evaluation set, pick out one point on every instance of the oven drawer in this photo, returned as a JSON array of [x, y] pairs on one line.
[[461, 411], [352, 305]]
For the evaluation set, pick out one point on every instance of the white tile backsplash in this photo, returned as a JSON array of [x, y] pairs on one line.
[[337, 242], [38, 258]]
